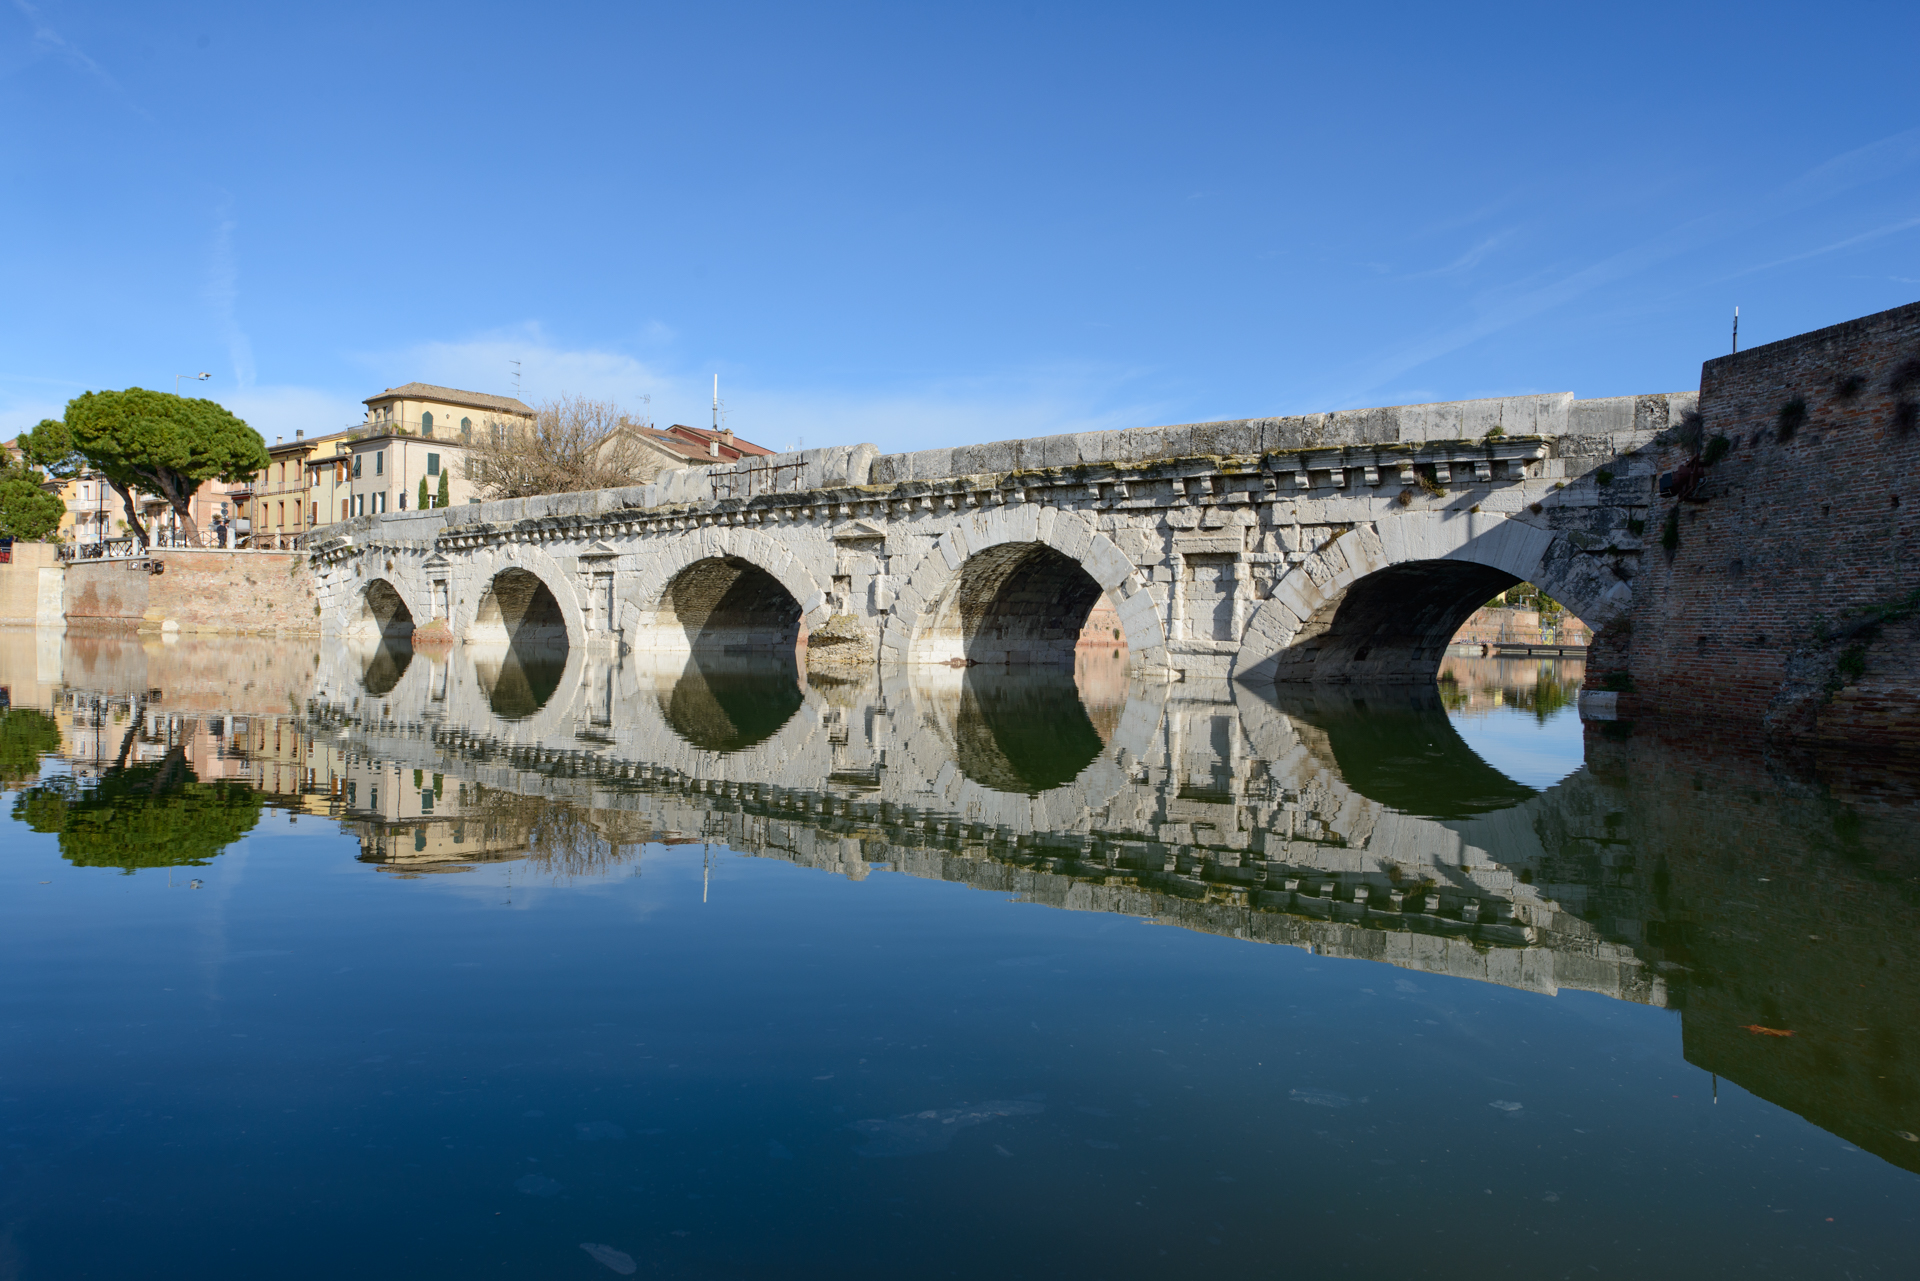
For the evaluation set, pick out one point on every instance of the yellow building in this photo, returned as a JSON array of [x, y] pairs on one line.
[[419, 431]]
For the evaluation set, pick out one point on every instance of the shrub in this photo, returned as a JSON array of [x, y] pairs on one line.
[[1716, 450], [1604, 476], [1670, 535], [1793, 416], [1853, 663], [1636, 527]]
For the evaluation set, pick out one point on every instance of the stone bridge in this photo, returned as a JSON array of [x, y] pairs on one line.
[[1341, 547]]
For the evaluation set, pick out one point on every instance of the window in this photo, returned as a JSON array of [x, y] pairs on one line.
[[403, 500], [343, 509], [380, 463], [280, 517], [426, 423], [283, 473], [380, 502], [466, 429], [433, 464], [356, 465], [314, 519]]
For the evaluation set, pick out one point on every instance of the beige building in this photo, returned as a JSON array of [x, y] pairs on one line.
[[419, 431]]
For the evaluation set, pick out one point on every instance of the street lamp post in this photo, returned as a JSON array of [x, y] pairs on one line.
[[196, 377]]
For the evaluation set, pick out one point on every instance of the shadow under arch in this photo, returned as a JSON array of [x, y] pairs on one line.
[[1013, 603], [1391, 626], [1024, 732], [729, 605], [520, 610], [726, 704], [518, 679], [383, 612], [1396, 745]]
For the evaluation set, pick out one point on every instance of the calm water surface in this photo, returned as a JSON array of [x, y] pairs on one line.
[[348, 961]]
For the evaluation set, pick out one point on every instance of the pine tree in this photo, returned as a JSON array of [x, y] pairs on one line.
[[424, 502], [443, 497]]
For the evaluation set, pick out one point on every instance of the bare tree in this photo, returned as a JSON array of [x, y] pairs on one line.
[[571, 443]]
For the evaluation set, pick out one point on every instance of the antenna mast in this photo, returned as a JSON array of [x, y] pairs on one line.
[[1736, 330], [516, 378], [716, 404]]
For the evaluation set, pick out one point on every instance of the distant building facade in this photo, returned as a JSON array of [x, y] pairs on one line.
[[419, 431]]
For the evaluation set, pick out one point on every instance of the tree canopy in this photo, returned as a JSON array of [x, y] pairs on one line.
[[26, 734], [155, 815], [27, 512], [164, 444]]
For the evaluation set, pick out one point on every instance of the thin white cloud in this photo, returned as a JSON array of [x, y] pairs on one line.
[[1502, 308], [222, 293], [53, 42], [49, 42], [1862, 238], [1467, 261]]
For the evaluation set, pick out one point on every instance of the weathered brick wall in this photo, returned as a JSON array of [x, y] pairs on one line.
[[1780, 606], [197, 591]]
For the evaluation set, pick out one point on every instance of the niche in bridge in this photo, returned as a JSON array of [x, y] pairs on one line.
[[731, 606], [1397, 745], [1391, 627], [519, 679], [1018, 603], [727, 704], [521, 610], [383, 612], [1024, 732]]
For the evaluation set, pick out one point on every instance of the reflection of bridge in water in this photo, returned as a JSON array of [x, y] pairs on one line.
[[1353, 823], [1736, 891]]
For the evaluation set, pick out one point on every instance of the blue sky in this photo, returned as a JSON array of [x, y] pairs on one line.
[[929, 224]]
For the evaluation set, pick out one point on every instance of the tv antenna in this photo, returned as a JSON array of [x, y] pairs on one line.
[[1736, 330], [516, 378], [716, 404]]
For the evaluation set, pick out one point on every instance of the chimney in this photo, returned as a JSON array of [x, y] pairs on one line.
[[299, 433]]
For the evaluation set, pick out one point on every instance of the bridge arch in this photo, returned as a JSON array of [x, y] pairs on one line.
[[519, 607], [382, 610], [1015, 586], [1378, 604], [730, 590]]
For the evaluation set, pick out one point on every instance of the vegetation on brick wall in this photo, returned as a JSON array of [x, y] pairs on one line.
[[1670, 532], [1792, 417]]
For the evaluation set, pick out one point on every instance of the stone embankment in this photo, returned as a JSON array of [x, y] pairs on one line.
[[188, 591]]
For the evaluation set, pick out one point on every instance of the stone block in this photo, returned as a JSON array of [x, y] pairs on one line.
[[1072, 534]]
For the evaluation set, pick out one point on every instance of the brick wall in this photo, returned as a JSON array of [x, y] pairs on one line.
[[197, 591], [1780, 607]]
